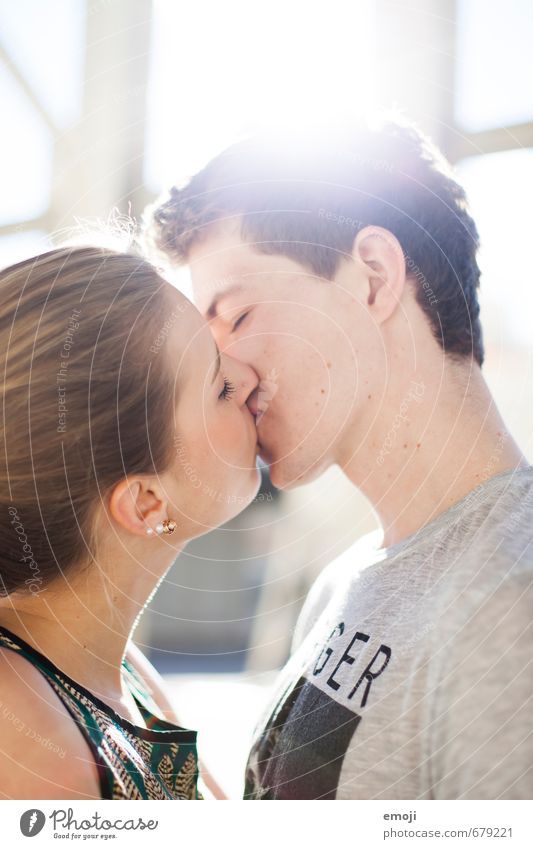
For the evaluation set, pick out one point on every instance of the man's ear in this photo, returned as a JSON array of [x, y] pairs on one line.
[[136, 504], [381, 254]]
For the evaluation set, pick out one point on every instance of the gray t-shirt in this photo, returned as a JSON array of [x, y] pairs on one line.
[[411, 675]]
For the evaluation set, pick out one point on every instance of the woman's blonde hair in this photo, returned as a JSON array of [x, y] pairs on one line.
[[87, 400]]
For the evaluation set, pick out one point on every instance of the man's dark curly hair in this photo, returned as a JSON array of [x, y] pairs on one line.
[[307, 195]]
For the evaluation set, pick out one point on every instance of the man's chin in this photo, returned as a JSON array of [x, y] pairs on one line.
[[282, 473]]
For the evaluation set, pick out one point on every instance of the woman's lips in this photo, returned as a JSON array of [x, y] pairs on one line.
[[252, 404], [257, 410]]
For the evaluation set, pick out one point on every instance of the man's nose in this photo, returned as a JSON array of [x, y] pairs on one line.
[[221, 335]]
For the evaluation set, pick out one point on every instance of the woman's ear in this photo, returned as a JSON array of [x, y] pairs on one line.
[[381, 254], [137, 504]]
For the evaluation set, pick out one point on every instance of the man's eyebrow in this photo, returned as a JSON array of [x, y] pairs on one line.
[[218, 365], [213, 306]]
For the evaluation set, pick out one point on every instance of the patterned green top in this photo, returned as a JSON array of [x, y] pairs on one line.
[[156, 762]]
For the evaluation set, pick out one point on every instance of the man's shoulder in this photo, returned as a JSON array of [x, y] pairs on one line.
[[488, 588], [486, 537], [503, 504], [499, 549]]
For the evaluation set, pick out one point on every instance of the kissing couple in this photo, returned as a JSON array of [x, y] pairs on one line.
[[345, 264]]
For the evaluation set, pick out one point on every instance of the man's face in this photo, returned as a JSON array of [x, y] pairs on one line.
[[297, 332]]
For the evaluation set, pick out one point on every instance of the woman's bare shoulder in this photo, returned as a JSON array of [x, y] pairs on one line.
[[43, 754]]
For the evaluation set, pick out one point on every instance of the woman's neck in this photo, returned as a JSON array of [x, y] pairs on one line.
[[83, 626]]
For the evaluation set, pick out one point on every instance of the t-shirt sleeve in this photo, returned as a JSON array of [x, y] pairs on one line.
[[315, 602], [481, 737], [313, 605], [332, 577]]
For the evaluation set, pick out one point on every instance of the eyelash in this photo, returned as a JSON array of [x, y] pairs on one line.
[[228, 390], [239, 321]]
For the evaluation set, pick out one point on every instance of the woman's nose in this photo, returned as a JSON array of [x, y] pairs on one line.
[[243, 377]]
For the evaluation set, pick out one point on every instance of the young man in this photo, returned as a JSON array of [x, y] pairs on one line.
[[342, 267]]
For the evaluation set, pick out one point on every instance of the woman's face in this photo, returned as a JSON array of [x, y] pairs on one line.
[[215, 440]]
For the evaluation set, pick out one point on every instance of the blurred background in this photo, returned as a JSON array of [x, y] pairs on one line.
[[105, 103]]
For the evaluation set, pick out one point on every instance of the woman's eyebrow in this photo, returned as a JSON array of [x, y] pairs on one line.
[[218, 364]]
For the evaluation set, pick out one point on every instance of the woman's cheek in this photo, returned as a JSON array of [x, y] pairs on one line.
[[227, 440]]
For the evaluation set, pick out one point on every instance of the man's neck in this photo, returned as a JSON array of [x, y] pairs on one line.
[[433, 442]]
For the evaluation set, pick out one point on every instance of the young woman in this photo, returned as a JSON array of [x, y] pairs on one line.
[[124, 434]]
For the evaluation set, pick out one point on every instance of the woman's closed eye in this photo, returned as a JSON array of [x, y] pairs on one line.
[[227, 391]]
